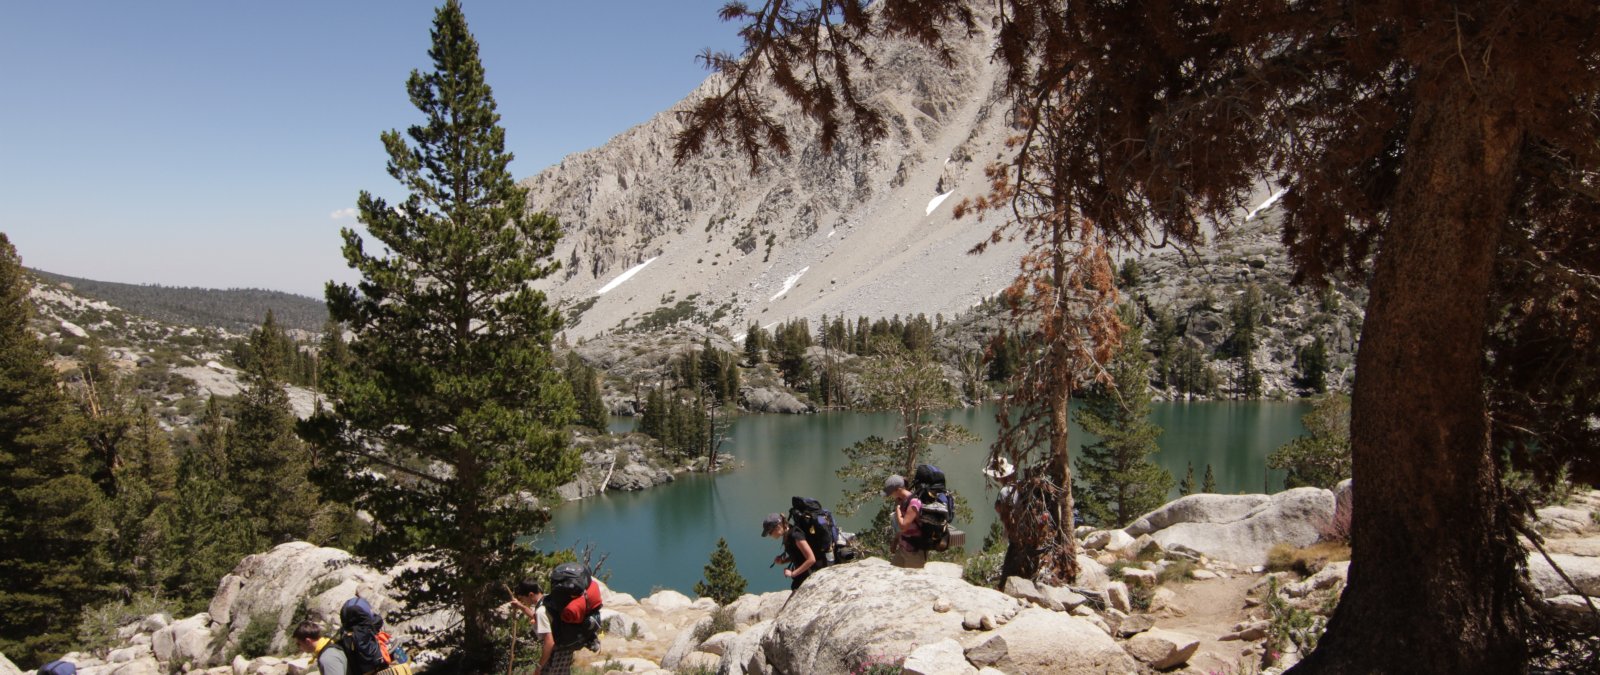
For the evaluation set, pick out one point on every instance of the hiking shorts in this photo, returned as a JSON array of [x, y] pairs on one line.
[[910, 559], [560, 663]]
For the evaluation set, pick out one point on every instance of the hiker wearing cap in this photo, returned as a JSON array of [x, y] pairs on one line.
[[797, 553], [906, 509], [528, 598]]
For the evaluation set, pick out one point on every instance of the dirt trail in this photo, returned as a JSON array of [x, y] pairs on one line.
[[1210, 609]]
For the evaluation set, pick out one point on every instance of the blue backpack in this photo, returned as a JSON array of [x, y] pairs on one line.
[[59, 667]]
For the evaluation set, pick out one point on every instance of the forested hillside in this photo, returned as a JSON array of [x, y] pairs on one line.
[[237, 310]]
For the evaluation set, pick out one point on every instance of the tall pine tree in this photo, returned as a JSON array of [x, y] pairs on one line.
[[453, 403], [1117, 482], [51, 514]]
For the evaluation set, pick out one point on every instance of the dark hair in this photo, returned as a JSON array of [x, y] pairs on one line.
[[307, 630], [527, 586]]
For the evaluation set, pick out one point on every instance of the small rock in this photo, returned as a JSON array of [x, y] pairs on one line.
[[1117, 596], [1203, 575], [977, 621], [1162, 649], [941, 605], [1165, 601], [718, 644], [1136, 576], [1247, 631], [1134, 625], [988, 652]]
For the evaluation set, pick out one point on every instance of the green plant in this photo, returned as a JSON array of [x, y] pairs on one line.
[[721, 622], [722, 583], [256, 639], [1177, 570], [880, 665], [983, 569], [98, 624], [1291, 626]]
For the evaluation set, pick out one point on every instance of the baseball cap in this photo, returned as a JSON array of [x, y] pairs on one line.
[[772, 521]]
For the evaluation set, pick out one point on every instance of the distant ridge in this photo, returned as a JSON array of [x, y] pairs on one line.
[[237, 310]]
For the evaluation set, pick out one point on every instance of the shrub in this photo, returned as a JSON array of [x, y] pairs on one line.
[[721, 622], [1305, 561], [98, 624], [1291, 626], [882, 664], [1177, 570], [983, 569], [256, 639]]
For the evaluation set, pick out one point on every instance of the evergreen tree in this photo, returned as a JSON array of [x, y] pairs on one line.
[[209, 530], [268, 464], [1323, 458], [146, 489], [1186, 486], [453, 402], [755, 340], [1117, 482], [52, 516], [722, 582], [1311, 364], [1210, 484], [912, 385], [585, 383], [1246, 315]]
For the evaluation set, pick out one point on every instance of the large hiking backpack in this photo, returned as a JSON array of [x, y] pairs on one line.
[[938, 509], [573, 604], [59, 667], [817, 523], [364, 643]]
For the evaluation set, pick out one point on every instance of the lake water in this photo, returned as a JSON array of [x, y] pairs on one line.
[[662, 537]]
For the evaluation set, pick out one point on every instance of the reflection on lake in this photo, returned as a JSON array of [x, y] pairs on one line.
[[663, 537]]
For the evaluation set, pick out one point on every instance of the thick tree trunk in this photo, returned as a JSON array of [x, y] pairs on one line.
[[1431, 578]]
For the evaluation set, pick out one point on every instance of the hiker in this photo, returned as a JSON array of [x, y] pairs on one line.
[[801, 559], [906, 509], [529, 599], [308, 637]]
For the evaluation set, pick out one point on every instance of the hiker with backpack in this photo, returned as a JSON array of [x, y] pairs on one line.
[[801, 559], [308, 637], [566, 619], [907, 508]]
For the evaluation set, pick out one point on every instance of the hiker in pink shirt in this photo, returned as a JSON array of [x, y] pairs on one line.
[[906, 509]]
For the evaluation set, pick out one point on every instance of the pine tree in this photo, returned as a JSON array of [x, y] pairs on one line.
[[1311, 364], [140, 523], [722, 582], [1323, 458], [1186, 486], [1117, 482], [585, 383], [1210, 484], [52, 516], [453, 402], [268, 464], [210, 530], [755, 340]]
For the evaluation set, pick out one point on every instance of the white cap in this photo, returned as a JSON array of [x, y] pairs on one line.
[[999, 470]]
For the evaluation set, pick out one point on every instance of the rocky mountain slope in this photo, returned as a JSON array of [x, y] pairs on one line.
[[865, 229]]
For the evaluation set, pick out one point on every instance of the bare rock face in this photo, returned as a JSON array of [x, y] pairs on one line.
[[1584, 571], [1239, 529], [273, 585], [940, 658], [7, 667], [891, 611], [1041, 641]]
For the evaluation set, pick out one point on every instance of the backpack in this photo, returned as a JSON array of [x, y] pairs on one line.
[[819, 527], [59, 667], [938, 509], [364, 643], [573, 605]]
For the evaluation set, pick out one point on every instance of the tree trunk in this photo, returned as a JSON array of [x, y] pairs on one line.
[[1431, 577]]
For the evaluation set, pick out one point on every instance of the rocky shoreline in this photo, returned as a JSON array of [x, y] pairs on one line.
[[1185, 589]]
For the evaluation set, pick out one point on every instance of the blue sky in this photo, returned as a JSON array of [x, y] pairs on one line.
[[213, 143]]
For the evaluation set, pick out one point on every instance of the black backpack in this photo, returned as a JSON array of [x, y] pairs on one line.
[[808, 516], [938, 509], [573, 605]]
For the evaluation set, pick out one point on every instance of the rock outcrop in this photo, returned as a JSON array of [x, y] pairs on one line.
[[890, 611], [1238, 528]]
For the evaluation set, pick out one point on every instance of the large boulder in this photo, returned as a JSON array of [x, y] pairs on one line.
[[274, 584], [1585, 572], [742, 651], [7, 667], [183, 641], [1239, 529], [684, 643], [845, 615], [1041, 641], [763, 399]]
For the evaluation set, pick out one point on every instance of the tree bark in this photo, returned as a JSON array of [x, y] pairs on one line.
[[1422, 462]]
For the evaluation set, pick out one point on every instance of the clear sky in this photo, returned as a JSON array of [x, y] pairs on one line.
[[222, 143]]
